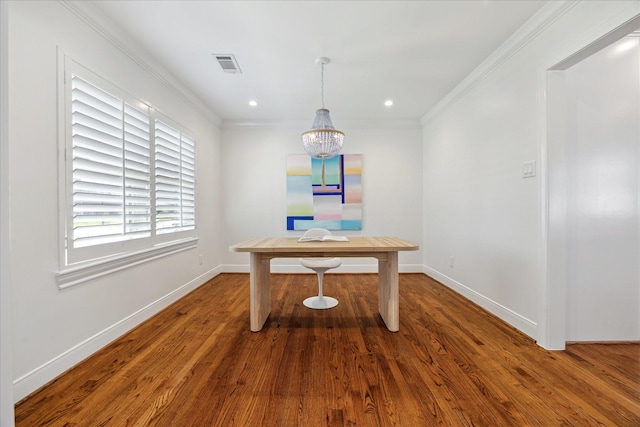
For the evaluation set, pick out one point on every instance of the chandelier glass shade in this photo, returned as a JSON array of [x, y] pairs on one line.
[[323, 141]]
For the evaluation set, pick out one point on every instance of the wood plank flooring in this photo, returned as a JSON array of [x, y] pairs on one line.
[[451, 364]]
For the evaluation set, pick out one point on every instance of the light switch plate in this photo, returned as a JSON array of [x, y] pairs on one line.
[[529, 169]]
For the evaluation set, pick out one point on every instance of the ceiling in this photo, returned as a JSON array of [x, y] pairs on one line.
[[413, 52]]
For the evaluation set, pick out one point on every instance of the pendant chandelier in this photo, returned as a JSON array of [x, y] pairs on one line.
[[323, 141]]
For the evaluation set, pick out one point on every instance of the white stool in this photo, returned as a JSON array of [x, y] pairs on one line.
[[320, 265]]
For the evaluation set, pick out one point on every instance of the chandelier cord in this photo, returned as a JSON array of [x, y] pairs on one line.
[[323, 141], [322, 83]]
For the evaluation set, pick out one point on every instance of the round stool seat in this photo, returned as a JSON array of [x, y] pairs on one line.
[[321, 263]]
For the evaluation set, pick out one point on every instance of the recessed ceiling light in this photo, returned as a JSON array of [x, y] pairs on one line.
[[388, 103], [253, 103]]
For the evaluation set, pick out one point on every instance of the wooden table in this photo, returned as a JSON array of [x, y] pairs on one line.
[[385, 249]]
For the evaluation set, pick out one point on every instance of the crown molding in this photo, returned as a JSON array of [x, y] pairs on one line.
[[303, 125], [130, 48], [549, 13]]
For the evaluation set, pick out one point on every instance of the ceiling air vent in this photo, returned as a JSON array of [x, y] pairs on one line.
[[228, 64]]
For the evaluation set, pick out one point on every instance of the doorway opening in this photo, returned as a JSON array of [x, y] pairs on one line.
[[593, 192]]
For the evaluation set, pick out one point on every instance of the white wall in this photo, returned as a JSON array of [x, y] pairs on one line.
[[6, 371], [254, 189], [603, 165], [52, 328], [477, 206], [455, 187]]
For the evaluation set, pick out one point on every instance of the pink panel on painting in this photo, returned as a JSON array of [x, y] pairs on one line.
[[352, 189]]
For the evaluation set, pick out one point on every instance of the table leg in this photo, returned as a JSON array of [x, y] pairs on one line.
[[260, 290], [388, 296]]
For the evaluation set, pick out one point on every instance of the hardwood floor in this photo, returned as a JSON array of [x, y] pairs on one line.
[[451, 363]]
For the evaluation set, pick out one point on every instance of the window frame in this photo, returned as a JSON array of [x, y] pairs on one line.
[[80, 264]]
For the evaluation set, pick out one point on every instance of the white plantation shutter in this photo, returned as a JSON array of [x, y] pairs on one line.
[[175, 179], [188, 171], [137, 173], [111, 173], [127, 180]]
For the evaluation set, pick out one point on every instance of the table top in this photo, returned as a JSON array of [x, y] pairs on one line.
[[355, 244]]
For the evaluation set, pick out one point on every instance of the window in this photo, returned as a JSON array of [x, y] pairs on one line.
[[175, 179], [129, 177], [111, 167]]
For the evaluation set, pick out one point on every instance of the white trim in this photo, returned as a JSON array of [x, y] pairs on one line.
[[542, 336], [597, 45], [344, 268], [553, 296], [521, 323], [6, 371], [78, 264], [44, 373], [552, 292], [76, 275], [301, 125], [526, 326], [90, 16], [549, 13]]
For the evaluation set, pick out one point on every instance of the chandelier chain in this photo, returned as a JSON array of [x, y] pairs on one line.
[[322, 84]]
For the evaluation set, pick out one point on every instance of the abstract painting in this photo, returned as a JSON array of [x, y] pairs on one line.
[[324, 194]]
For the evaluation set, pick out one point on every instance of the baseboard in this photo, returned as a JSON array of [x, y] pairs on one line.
[[612, 342], [519, 322], [48, 371], [298, 269]]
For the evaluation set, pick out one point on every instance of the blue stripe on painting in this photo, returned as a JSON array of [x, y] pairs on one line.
[[351, 224], [304, 223], [291, 221], [317, 223], [329, 194], [342, 175]]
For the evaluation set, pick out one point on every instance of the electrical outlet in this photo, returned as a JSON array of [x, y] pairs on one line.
[[200, 259], [451, 261]]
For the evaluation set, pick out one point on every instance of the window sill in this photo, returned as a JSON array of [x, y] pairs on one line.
[[76, 275]]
